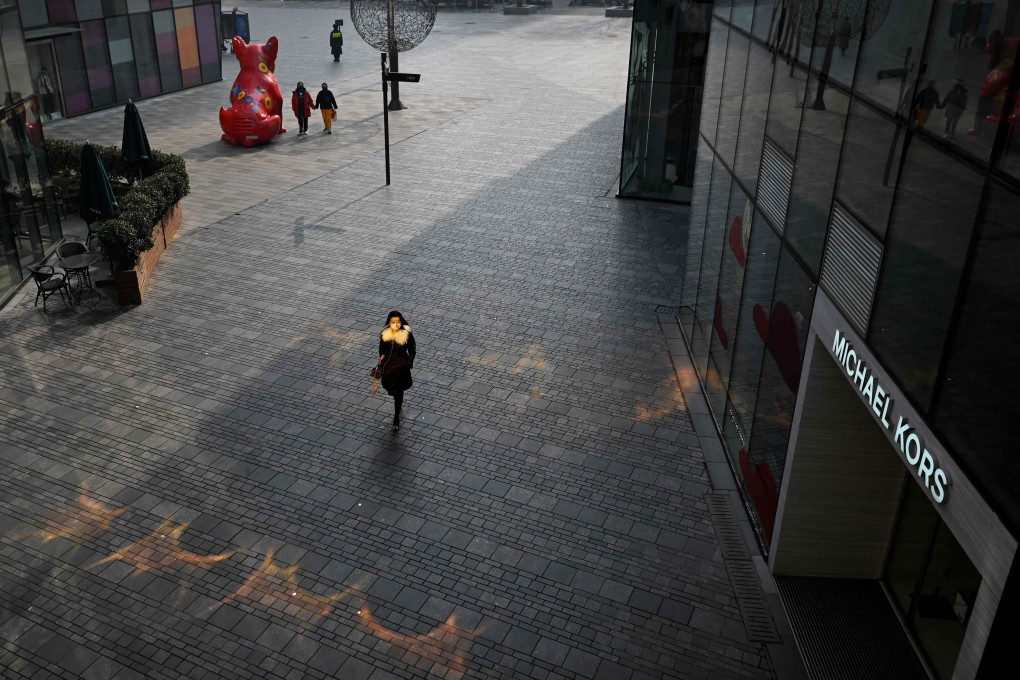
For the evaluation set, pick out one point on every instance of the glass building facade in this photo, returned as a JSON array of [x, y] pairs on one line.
[[669, 42], [90, 54], [862, 155], [29, 225]]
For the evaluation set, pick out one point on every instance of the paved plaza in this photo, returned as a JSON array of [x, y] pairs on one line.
[[203, 486]]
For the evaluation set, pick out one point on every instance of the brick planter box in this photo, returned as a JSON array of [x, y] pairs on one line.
[[131, 283]]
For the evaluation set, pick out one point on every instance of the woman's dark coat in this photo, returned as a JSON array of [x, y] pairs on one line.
[[397, 350]]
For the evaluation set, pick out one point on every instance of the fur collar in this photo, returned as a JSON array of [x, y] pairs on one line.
[[400, 337]]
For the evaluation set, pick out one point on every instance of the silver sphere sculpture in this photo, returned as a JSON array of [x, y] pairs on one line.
[[411, 21]]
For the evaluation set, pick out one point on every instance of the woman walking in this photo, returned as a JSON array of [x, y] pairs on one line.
[[326, 103], [396, 358], [302, 104]]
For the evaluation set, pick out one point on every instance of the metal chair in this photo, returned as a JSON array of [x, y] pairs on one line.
[[50, 280], [71, 248]]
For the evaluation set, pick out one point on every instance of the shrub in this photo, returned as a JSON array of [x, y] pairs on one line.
[[164, 183]]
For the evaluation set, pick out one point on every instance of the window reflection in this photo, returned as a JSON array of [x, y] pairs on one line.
[[752, 117], [755, 303], [971, 408], [715, 231], [924, 254], [785, 328], [714, 69], [970, 60], [696, 236], [731, 282], [870, 166], [732, 97], [891, 55], [815, 174]]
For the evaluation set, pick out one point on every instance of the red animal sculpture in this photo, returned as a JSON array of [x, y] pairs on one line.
[[255, 115]]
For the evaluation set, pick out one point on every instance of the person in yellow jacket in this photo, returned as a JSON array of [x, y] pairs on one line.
[[336, 41], [326, 103]]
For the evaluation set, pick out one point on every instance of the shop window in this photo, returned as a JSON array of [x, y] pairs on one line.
[[785, 328], [870, 166], [714, 70], [731, 281], [925, 247], [61, 11], [97, 63], [752, 116], [786, 107], [708, 275], [696, 236], [73, 76], [146, 61], [122, 57], [166, 48], [752, 331], [33, 13], [766, 18], [933, 582], [971, 53], [972, 407], [208, 42], [814, 176], [187, 44], [891, 56], [89, 9], [732, 97]]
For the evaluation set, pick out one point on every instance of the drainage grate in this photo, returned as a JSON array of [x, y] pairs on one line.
[[666, 309], [754, 607]]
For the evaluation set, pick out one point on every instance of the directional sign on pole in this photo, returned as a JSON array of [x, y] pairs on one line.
[[403, 77]]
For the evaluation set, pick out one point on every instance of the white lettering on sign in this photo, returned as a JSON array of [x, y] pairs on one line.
[[906, 439]]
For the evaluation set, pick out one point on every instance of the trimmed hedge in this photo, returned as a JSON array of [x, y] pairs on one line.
[[165, 183]]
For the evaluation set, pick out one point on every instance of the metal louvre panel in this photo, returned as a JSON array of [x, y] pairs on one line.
[[774, 184], [850, 267]]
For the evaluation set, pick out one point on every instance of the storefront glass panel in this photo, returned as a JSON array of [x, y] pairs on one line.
[[73, 76], [114, 7], [891, 55], [33, 13], [89, 9], [732, 97], [209, 44], [715, 236], [714, 70], [668, 47], [932, 581], [924, 253], [166, 47], [972, 48], [61, 11], [971, 409], [787, 325], [43, 66], [731, 283], [136, 6], [123, 58], [766, 17], [145, 55], [187, 44], [870, 168], [756, 300], [814, 176], [752, 117], [97, 63], [696, 236]]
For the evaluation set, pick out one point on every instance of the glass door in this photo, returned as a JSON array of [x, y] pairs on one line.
[[43, 65], [932, 581]]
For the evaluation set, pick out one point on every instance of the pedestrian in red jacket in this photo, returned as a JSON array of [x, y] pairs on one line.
[[302, 104]]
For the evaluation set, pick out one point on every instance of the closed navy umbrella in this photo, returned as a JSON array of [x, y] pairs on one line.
[[96, 198], [134, 147]]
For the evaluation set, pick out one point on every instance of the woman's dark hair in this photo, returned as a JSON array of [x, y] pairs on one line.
[[395, 313]]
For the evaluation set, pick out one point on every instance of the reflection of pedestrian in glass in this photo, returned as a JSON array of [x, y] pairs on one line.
[[396, 359], [954, 104], [926, 100]]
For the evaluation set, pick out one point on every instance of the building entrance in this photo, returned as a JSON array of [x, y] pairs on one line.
[[931, 580]]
